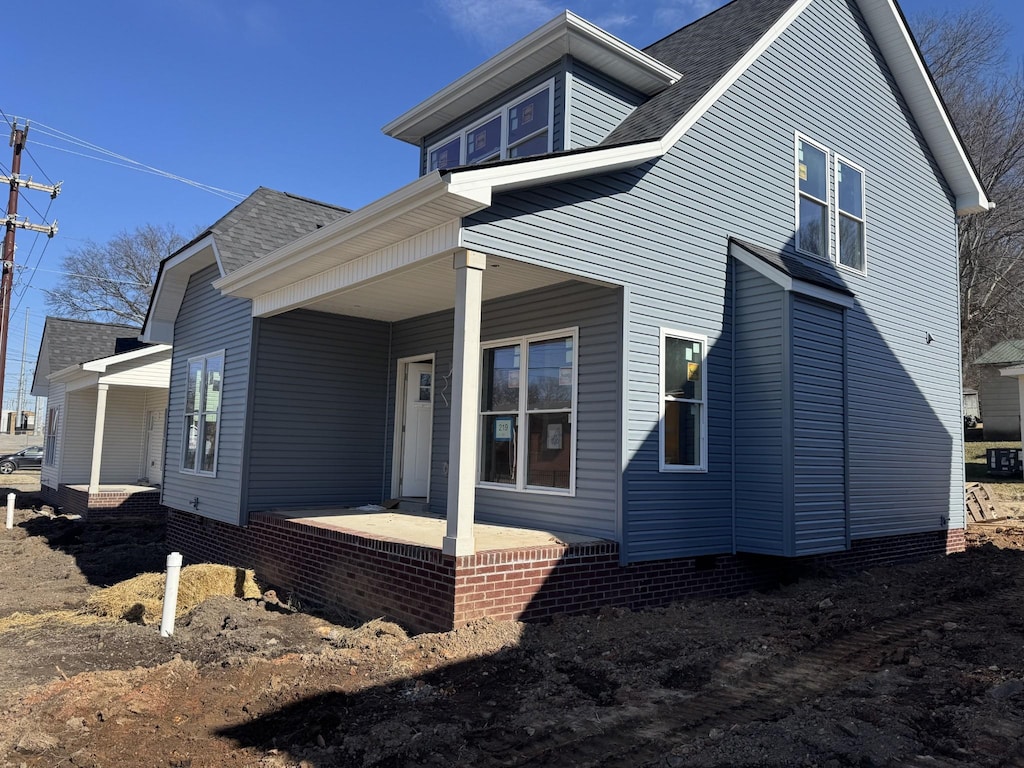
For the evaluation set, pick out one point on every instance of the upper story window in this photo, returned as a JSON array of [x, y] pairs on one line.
[[812, 208], [850, 183], [520, 128], [829, 194], [202, 414]]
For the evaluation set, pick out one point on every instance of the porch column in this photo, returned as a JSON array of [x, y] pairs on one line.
[[97, 437], [469, 267]]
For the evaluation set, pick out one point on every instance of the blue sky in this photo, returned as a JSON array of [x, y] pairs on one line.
[[235, 94]]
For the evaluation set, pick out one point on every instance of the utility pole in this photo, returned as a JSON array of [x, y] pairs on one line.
[[18, 137]]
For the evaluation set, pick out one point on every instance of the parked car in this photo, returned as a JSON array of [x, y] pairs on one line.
[[26, 458]]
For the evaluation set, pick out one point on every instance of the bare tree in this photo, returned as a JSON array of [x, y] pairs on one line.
[[112, 282], [966, 54]]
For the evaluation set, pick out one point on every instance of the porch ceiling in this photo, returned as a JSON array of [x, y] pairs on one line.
[[429, 286]]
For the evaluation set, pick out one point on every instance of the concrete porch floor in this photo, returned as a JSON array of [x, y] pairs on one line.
[[426, 530], [115, 488]]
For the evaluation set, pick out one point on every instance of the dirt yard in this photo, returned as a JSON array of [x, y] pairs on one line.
[[919, 665]]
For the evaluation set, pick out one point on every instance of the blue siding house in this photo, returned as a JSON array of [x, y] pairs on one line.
[[695, 305]]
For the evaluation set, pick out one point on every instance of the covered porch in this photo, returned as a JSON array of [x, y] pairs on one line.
[[402, 265], [110, 460]]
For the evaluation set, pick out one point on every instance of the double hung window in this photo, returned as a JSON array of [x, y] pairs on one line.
[[528, 411], [812, 184], [850, 213], [50, 444], [202, 414], [520, 128], [683, 406]]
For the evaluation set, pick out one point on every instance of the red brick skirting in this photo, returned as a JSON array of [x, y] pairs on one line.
[[105, 505], [426, 591]]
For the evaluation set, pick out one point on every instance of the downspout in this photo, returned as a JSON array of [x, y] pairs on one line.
[[732, 394]]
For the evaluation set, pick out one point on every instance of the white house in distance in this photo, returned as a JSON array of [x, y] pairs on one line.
[[106, 401]]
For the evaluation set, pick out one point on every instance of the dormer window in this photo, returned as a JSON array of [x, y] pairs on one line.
[[521, 128]]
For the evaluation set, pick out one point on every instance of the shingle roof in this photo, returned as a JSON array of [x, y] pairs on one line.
[[796, 267], [264, 221], [69, 342], [703, 52], [1004, 353]]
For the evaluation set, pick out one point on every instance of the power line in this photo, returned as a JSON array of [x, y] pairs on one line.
[[126, 162]]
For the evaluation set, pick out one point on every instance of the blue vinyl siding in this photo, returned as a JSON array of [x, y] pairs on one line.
[[596, 105], [319, 411], [662, 229], [818, 428], [208, 322], [596, 311], [760, 414]]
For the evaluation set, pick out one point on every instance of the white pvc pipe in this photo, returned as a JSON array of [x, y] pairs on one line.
[[10, 511], [170, 594]]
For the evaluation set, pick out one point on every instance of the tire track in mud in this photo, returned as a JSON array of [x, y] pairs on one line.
[[644, 733]]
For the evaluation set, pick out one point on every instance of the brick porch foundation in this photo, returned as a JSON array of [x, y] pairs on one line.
[[426, 591], [105, 505]]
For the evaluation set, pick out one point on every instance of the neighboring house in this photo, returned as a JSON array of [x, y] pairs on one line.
[[104, 432], [695, 305], [998, 396]]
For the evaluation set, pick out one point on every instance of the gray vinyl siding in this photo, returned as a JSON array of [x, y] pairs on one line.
[[557, 71], [760, 413], [207, 323], [818, 428], [318, 411], [596, 105], [596, 312], [662, 230], [79, 430]]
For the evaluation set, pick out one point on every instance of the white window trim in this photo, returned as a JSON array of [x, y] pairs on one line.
[[51, 436], [501, 111], [799, 139], [667, 333], [522, 446], [863, 219], [185, 412]]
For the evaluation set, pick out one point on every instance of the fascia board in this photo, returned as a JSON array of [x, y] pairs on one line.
[[567, 33], [903, 57], [547, 170], [103, 363], [1017, 370], [433, 186]]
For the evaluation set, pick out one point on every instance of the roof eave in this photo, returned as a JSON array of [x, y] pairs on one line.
[[431, 200], [901, 53], [566, 34]]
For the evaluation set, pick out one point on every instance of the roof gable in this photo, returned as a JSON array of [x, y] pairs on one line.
[[262, 223]]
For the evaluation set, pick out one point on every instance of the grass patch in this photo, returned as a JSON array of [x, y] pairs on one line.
[[976, 471]]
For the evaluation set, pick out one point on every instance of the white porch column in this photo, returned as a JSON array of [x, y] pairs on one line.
[[97, 437], [469, 267]]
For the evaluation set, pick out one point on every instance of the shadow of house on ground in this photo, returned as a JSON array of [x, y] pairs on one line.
[[105, 552], [648, 687]]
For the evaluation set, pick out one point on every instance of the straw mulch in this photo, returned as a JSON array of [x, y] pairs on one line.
[[141, 599]]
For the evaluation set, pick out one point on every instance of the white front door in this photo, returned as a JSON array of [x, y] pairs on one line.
[[417, 421], [153, 467]]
